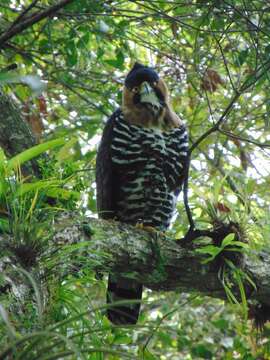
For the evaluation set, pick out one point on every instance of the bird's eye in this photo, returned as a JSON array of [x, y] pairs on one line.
[[135, 89], [154, 84]]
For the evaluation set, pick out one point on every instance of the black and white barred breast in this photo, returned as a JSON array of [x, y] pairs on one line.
[[149, 164]]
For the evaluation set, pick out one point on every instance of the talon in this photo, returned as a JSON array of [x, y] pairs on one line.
[[148, 228]]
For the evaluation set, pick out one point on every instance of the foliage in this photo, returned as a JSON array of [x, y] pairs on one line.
[[214, 56]]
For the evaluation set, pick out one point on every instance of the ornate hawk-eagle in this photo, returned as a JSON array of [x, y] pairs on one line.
[[139, 170]]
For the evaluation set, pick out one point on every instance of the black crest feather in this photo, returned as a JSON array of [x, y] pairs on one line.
[[140, 73]]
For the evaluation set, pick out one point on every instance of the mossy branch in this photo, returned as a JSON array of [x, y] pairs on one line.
[[160, 262]]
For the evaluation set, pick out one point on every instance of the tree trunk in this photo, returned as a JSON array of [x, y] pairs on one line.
[[15, 134]]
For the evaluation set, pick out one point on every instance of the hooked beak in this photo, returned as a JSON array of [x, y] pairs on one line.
[[149, 97]]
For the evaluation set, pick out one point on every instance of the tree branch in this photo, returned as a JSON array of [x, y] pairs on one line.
[[22, 15], [248, 83], [217, 124], [21, 26], [253, 142], [159, 262]]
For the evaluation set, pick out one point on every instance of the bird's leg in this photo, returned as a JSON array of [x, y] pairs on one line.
[[151, 229], [147, 228]]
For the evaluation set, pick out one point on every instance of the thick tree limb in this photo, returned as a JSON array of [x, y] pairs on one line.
[[160, 263]]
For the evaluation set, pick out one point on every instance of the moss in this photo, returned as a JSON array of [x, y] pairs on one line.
[[159, 273], [88, 231]]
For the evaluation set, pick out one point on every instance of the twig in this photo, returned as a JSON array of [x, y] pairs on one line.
[[248, 83], [168, 17], [249, 22], [225, 62], [163, 318], [233, 136], [31, 21], [218, 123], [93, 105], [22, 15], [228, 178]]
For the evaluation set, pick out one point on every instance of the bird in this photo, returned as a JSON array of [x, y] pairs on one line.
[[140, 169]]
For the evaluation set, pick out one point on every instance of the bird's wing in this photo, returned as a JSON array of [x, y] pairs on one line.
[[104, 173]]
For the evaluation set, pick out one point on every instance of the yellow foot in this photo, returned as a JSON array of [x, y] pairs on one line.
[[148, 228]]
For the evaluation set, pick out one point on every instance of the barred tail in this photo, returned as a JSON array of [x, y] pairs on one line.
[[123, 289]]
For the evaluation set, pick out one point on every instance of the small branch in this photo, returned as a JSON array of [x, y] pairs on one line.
[[22, 15], [233, 136], [84, 98], [218, 123], [248, 83], [248, 21], [225, 62], [229, 180], [21, 26]]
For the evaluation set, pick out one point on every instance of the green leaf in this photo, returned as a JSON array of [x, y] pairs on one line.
[[202, 351], [2, 161], [118, 61], [52, 188], [212, 250], [209, 249], [227, 240], [147, 355], [242, 57], [25, 188], [60, 193], [240, 244], [4, 225], [218, 23], [122, 339], [64, 152], [221, 324], [83, 41], [71, 54], [33, 152]]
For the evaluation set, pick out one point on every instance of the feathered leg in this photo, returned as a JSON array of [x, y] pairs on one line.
[[120, 288]]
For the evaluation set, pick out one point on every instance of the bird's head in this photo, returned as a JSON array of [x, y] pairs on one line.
[[145, 96]]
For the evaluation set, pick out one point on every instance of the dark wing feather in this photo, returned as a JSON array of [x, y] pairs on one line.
[[104, 173]]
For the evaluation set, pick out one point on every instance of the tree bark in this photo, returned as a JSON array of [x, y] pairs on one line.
[[158, 262], [15, 134]]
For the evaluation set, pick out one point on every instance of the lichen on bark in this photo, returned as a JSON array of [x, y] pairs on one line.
[[15, 134]]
